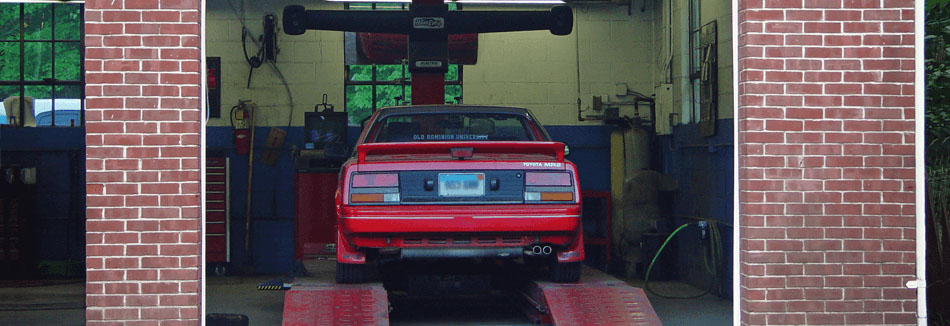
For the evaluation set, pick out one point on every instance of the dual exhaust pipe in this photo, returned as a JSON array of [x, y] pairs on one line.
[[538, 250]]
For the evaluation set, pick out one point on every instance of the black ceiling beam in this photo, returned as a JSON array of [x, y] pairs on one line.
[[297, 20]]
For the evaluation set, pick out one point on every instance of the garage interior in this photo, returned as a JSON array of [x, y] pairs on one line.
[[641, 91], [662, 156]]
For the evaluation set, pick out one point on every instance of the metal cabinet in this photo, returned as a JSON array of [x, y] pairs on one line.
[[217, 212]]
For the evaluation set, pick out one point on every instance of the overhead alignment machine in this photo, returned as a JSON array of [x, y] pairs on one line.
[[597, 299], [428, 24]]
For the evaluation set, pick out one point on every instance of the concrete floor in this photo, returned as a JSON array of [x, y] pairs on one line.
[[706, 310], [238, 295], [29, 303], [61, 303]]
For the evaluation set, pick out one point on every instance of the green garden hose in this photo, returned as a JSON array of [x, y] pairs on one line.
[[714, 250]]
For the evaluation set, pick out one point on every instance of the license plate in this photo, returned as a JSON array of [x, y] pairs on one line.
[[461, 184]]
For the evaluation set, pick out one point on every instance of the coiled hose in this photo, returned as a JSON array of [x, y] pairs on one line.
[[712, 259]]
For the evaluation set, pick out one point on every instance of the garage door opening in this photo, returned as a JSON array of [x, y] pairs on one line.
[[641, 93]]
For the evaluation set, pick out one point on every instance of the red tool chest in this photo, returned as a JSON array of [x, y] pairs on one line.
[[314, 214], [218, 233]]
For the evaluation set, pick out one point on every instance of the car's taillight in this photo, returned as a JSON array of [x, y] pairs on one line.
[[541, 196], [375, 188], [548, 187], [547, 179], [375, 180], [374, 198]]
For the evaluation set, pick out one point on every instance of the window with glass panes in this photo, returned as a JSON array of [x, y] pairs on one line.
[[41, 54], [372, 86]]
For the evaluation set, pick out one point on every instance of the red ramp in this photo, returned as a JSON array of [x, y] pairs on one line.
[[336, 304], [598, 299]]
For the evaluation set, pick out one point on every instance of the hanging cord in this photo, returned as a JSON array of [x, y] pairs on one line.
[[244, 32], [255, 61], [713, 266], [290, 95]]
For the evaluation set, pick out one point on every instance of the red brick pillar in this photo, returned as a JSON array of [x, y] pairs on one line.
[[826, 136], [143, 162]]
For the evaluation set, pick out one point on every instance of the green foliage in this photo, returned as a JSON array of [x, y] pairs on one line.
[[933, 3], [937, 72], [39, 21], [937, 75], [359, 98]]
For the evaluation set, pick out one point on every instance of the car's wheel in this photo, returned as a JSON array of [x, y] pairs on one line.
[[565, 272], [220, 269], [351, 273]]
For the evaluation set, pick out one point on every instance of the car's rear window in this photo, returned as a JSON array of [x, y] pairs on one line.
[[453, 127]]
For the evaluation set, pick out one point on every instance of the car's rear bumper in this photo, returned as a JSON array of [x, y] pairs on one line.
[[438, 229], [460, 219]]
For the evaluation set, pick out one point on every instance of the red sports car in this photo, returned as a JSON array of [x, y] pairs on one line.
[[448, 182]]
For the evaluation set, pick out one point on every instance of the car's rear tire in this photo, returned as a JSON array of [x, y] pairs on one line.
[[351, 273], [565, 272]]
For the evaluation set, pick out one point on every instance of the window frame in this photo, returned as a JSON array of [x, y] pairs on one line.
[[693, 55], [52, 82]]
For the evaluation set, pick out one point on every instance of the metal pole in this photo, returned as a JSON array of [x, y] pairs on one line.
[[250, 179], [428, 88]]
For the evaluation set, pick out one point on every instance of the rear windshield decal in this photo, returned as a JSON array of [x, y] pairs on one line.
[[449, 137]]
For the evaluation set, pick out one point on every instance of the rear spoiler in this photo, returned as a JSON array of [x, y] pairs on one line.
[[555, 149]]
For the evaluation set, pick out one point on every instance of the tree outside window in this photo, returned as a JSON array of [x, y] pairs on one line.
[[41, 57]]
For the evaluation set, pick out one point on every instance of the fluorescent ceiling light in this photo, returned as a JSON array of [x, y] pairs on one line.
[[469, 1]]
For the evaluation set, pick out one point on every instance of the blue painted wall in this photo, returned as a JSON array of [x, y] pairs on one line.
[[59, 206], [272, 197], [271, 202], [703, 173], [703, 170], [590, 151]]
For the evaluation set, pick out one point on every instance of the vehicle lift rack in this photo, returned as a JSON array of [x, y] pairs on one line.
[[597, 299]]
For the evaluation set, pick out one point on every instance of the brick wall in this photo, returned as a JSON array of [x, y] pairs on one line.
[[143, 163], [827, 161]]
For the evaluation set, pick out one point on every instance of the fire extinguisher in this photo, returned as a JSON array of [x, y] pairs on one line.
[[242, 120]]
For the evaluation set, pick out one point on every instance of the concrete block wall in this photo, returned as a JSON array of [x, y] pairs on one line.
[[532, 69], [539, 71], [827, 161], [312, 63], [143, 145]]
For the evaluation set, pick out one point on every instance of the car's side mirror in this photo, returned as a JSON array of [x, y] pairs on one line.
[[335, 151]]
